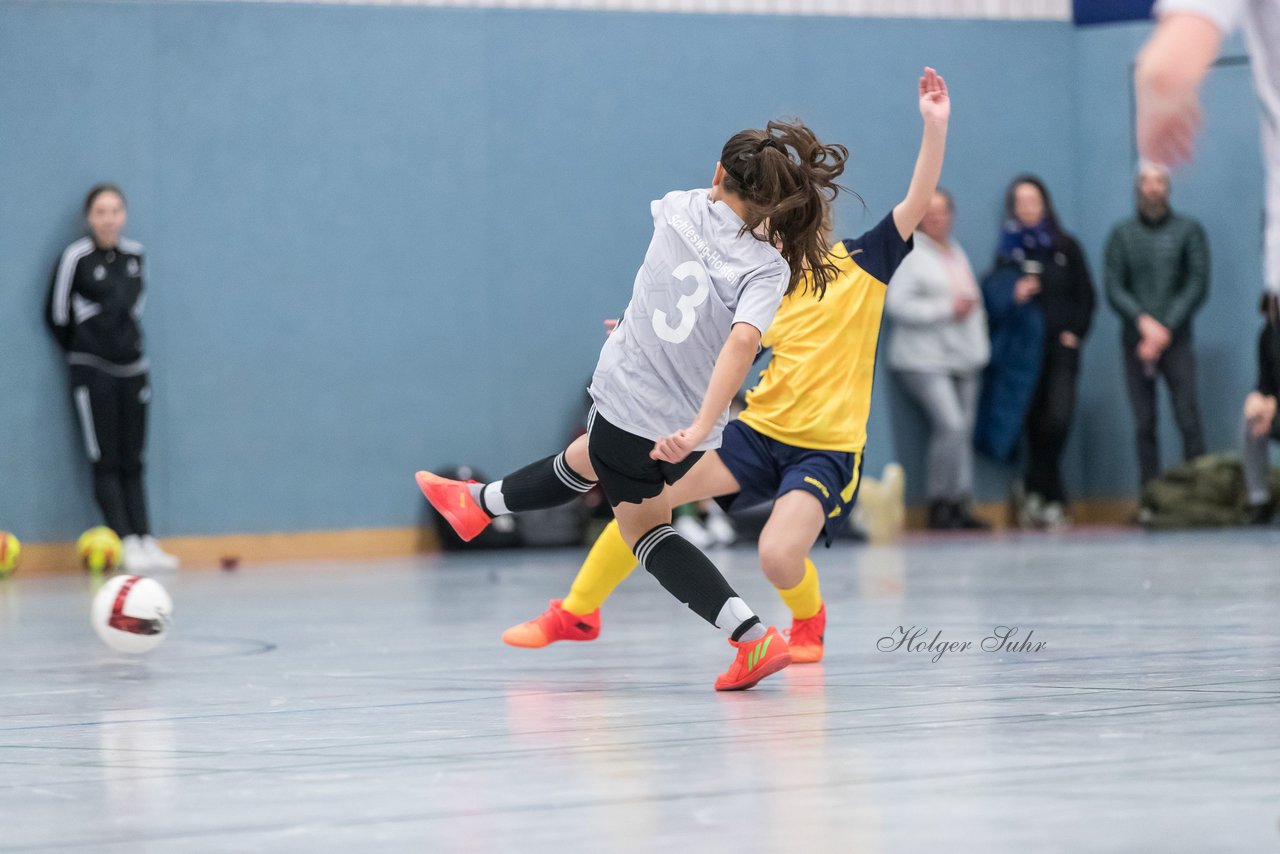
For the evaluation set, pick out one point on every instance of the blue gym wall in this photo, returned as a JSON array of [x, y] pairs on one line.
[[1224, 190], [384, 238]]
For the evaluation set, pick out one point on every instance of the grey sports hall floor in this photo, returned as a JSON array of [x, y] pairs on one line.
[[371, 707]]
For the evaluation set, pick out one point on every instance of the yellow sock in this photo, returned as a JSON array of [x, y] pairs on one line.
[[608, 563], [805, 599]]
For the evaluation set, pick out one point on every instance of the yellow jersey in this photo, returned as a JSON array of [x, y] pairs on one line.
[[816, 391]]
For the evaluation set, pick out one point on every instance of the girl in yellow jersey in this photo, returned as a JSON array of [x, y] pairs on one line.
[[799, 442]]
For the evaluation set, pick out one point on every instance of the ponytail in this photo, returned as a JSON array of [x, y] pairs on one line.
[[787, 178]]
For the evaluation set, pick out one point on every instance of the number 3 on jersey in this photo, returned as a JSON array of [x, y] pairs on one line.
[[688, 304]]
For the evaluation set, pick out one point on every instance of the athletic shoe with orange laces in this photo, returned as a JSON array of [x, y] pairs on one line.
[[805, 638], [756, 659], [554, 624], [453, 499]]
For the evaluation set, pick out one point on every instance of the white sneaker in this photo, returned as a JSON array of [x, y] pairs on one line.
[[689, 528], [1055, 517], [160, 559], [1031, 514], [136, 558], [719, 527]]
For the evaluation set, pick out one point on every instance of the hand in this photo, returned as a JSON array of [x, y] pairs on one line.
[[1025, 288], [611, 326], [1070, 340], [1168, 118], [962, 306], [1149, 352], [677, 446], [935, 102], [1154, 331], [1167, 78], [1260, 413]]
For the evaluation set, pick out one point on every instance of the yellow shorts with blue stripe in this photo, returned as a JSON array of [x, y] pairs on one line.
[[767, 469]]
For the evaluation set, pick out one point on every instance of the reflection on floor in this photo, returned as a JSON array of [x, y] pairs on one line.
[[325, 707]]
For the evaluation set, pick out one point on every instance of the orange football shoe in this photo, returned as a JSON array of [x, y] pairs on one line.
[[806, 636], [756, 660], [554, 624], [454, 501]]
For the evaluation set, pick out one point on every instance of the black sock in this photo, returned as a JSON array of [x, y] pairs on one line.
[[546, 483], [689, 576]]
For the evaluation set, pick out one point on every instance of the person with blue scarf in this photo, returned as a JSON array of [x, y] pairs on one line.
[[1039, 300]]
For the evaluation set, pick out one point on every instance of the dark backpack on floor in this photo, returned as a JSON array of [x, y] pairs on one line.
[[1207, 492]]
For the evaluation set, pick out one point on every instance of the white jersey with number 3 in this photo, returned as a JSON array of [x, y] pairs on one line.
[[1260, 20], [700, 276]]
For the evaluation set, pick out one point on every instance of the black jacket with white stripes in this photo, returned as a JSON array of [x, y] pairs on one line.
[[94, 305]]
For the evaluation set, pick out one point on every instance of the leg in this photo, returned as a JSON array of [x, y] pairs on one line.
[[1257, 467], [1037, 429], [1142, 400], [96, 406], [549, 482], [685, 572], [1060, 403], [797, 519], [470, 507], [794, 525], [637, 488], [134, 395], [967, 389], [1179, 368], [609, 562], [937, 395]]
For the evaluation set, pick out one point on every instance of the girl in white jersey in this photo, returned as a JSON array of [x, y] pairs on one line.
[[1170, 70], [717, 268]]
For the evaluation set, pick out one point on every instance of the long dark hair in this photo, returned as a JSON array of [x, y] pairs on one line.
[[787, 178], [98, 190], [1050, 214]]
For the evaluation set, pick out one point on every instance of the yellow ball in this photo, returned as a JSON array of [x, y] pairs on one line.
[[10, 548], [99, 549]]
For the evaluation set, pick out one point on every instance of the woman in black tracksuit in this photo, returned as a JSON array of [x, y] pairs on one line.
[[1053, 276], [94, 306]]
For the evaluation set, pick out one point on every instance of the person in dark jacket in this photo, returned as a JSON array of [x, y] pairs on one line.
[[1261, 425], [93, 310], [1040, 302], [1157, 276]]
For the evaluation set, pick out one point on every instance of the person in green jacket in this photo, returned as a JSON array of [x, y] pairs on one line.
[[1157, 276]]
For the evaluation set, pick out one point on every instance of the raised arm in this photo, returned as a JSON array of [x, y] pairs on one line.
[[1169, 71], [935, 109], [731, 368]]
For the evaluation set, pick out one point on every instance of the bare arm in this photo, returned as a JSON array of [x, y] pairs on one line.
[[731, 368], [935, 109], [1167, 79]]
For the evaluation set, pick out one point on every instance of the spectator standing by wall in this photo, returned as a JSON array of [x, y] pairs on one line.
[[94, 307], [1262, 426], [1040, 302], [938, 350], [1157, 277]]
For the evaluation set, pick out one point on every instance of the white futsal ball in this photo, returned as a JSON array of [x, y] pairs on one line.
[[131, 613]]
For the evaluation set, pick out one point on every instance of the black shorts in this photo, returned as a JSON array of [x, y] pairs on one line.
[[626, 471]]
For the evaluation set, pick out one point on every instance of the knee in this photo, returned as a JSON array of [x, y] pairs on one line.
[[777, 557]]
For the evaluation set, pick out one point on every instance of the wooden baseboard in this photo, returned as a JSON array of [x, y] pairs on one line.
[[204, 552], [1090, 511]]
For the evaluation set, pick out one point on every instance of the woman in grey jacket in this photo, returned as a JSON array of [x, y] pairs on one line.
[[938, 350]]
